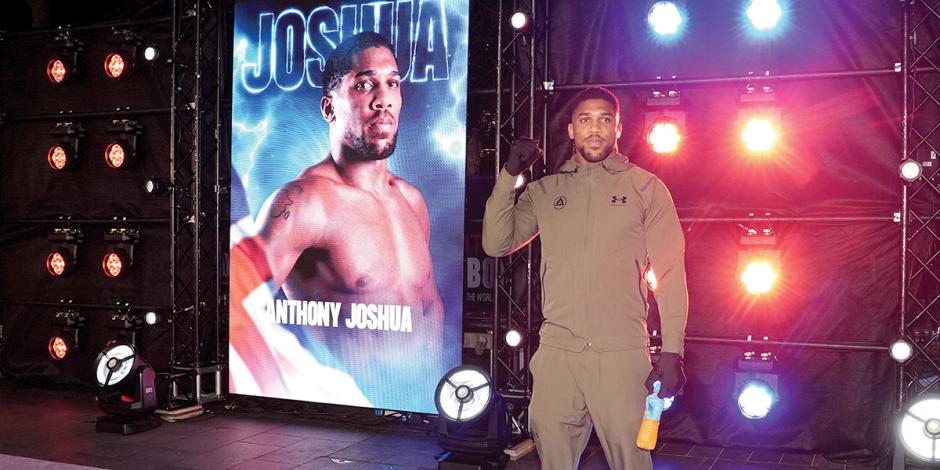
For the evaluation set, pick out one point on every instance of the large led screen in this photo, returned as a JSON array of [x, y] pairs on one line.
[[348, 158]]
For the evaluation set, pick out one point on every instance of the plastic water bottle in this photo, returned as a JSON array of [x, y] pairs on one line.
[[649, 429]]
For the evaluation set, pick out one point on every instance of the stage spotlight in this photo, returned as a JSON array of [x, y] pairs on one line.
[[664, 136], [126, 391], [756, 384], [759, 118], [756, 400], [119, 63], [664, 121], [61, 156], [910, 170], [157, 186], [519, 20], [150, 53], [63, 67], [60, 70], [63, 253], [764, 14], [66, 327], [119, 258], [513, 338], [151, 318], [665, 18], [127, 323], [115, 154], [759, 134], [63, 152], [759, 276], [919, 429], [901, 350], [473, 425], [122, 151], [59, 348], [115, 64], [758, 259], [115, 261], [59, 263]]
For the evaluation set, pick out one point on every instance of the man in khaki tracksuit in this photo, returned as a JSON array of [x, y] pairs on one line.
[[603, 222]]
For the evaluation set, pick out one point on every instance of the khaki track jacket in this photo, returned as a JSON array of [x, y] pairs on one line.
[[600, 223]]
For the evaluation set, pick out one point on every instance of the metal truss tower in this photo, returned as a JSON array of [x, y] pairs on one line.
[[920, 211], [521, 110], [196, 358]]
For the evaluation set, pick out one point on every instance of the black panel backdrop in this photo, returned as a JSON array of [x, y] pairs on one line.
[[29, 189], [839, 156]]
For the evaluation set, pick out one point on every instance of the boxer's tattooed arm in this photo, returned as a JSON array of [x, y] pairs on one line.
[[285, 209]]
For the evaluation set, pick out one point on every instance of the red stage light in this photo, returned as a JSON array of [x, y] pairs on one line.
[[58, 71], [59, 156], [114, 154], [760, 134], [59, 262], [114, 263], [58, 348], [664, 136], [114, 65], [759, 276]]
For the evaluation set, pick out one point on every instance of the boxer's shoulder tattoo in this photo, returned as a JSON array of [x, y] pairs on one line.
[[285, 209]]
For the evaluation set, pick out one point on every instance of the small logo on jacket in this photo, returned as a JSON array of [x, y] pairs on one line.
[[617, 200], [560, 202]]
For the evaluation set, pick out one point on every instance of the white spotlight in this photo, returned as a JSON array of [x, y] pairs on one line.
[[911, 170], [151, 318], [513, 338], [756, 400], [664, 18], [114, 364], [150, 53], [518, 20], [920, 429], [764, 14], [901, 350], [464, 393]]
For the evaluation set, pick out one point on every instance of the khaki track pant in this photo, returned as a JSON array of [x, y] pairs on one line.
[[574, 390]]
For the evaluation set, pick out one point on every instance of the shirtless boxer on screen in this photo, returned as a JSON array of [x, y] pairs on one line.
[[346, 229]]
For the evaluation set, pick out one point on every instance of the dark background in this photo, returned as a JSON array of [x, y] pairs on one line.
[[839, 156]]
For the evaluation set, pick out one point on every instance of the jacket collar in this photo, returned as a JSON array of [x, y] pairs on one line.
[[613, 164]]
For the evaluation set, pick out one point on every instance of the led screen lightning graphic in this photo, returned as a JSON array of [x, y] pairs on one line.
[[347, 238]]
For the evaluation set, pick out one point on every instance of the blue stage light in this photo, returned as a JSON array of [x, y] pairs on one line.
[[756, 399], [764, 14], [665, 18]]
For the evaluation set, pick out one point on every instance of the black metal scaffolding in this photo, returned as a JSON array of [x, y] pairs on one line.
[[521, 112], [196, 355], [920, 211]]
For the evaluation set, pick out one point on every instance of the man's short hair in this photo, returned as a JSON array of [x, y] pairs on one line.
[[340, 61], [596, 93]]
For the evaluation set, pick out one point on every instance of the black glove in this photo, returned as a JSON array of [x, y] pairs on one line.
[[668, 371], [522, 154]]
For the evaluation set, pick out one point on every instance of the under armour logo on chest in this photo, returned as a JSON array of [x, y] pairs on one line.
[[616, 200]]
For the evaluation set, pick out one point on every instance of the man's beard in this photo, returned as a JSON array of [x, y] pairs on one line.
[[595, 156], [370, 151]]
